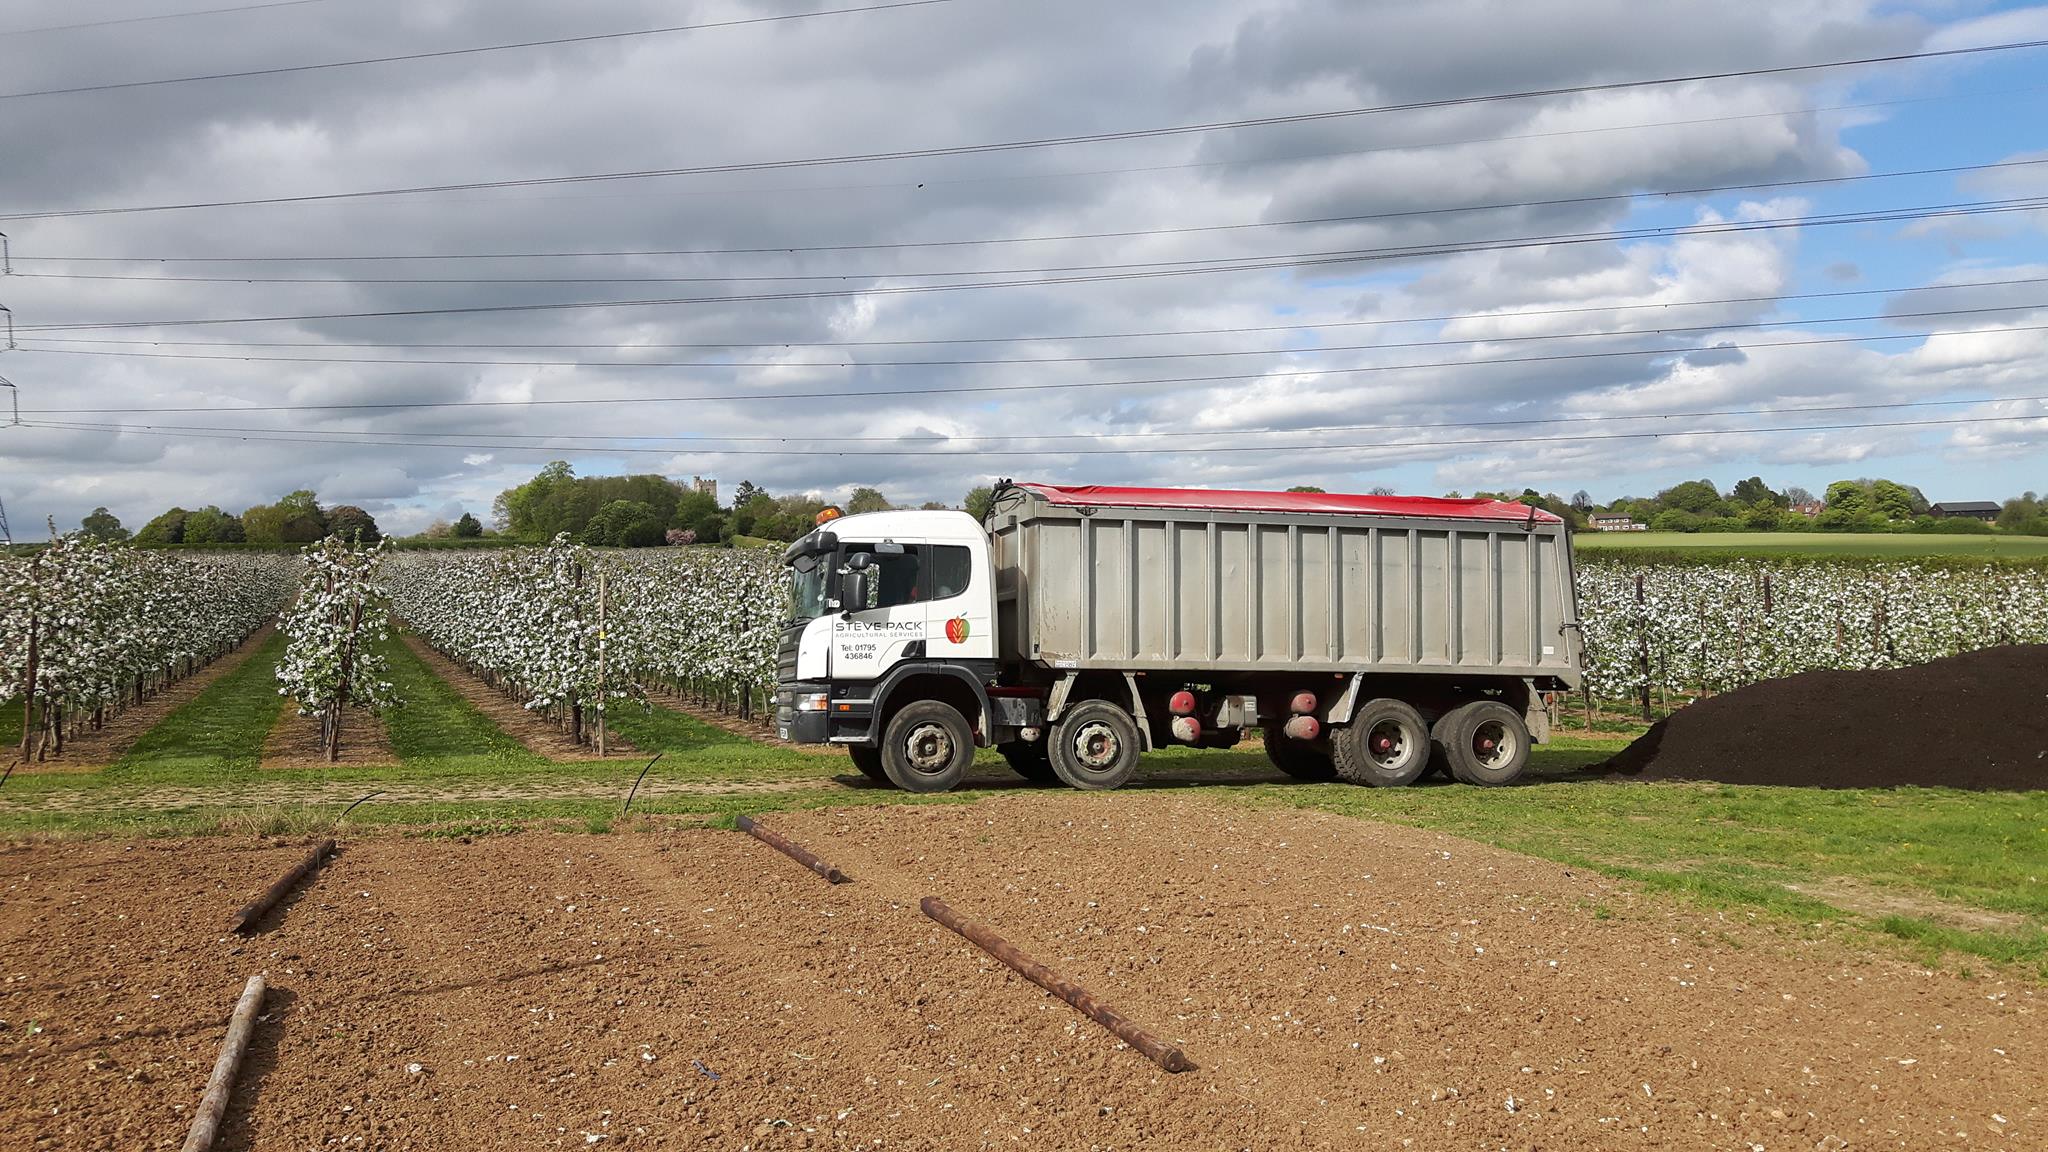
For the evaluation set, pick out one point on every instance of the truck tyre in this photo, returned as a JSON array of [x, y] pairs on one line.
[[1385, 745], [1299, 760], [1095, 746], [927, 747], [869, 761], [1029, 760], [1486, 743]]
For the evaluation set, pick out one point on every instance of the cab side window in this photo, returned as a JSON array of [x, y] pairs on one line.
[[919, 573]]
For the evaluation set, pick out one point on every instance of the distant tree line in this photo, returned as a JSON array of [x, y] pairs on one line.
[[1861, 505], [296, 519]]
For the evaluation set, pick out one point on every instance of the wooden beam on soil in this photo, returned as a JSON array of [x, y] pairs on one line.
[[794, 851], [213, 1105], [255, 909], [1167, 1056]]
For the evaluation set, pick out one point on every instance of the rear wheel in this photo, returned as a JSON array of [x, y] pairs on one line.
[[1385, 745], [869, 761], [1029, 760], [1486, 743], [1300, 760], [1095, 746], [928, 747]]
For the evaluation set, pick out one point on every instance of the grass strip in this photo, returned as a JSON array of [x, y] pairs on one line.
[[217, 735]]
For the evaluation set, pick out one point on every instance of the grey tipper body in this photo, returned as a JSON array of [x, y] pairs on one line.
[[1207, 590]]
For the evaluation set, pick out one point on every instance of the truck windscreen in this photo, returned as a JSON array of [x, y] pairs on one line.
[[807, 587]]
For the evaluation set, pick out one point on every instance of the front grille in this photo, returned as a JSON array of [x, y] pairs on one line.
[[785, 653]]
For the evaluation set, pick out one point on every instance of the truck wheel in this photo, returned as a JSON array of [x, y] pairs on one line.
[[1029, 760], [928, 747], [1095, 746], [1385, 745], [1486, 742], [869, 761], [1299, 760]]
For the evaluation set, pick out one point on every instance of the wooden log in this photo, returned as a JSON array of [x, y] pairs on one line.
[[1167, 1056], [213, 1105], [794, 851], [254, 910]]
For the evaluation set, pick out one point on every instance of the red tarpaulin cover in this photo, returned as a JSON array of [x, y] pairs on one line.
[[1432, 507]]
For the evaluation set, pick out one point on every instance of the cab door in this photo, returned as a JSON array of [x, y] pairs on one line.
[[869, 639]]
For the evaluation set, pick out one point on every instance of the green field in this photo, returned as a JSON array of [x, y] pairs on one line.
[[1933, 871], [1903, 545]]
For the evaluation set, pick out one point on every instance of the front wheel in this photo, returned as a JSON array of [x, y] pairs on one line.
[[1095, 746], [1299, 760], [927, 747], [1385, 745], [1485, 743], [869, 761]]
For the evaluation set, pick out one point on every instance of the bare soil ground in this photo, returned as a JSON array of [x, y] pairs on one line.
[[538, 733], [294, 741], [1341, 985], [89, 750]]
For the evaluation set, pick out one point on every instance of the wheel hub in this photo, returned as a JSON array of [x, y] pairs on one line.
[[1387, 743], [929, 747], [1096, 745], [1491, 744]]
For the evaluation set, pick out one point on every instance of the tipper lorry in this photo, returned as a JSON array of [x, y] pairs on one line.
[[1368, 638]]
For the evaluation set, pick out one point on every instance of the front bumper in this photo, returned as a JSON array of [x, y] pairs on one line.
[[800, 727]]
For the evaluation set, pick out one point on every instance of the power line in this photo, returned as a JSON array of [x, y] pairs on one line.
[[965, 362], [1132, 233], [445, 53], [1031, 143], [1251, 162], [1251, 262], [1572, 418], [1091, 274], [1492, 442], [1440, 318], [161, 16], [1070, 385]]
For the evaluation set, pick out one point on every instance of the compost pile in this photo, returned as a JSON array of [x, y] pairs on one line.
[[1978, 721]]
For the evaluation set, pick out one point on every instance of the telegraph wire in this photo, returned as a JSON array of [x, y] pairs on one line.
[[1133, 233], [1041, 452], [1441, 318], [1571, 418], [158, 17], [1025, 144], [1092, 275], [1250, 162], [1125, 356], [445, 53], [1051, 386]]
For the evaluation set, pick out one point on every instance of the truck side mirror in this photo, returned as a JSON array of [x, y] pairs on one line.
[[853, 582]]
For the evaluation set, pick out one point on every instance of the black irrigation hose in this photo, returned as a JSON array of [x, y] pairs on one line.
[[624, 808], [357, 804]]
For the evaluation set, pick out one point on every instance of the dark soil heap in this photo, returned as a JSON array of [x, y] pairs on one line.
[[1977, 721]]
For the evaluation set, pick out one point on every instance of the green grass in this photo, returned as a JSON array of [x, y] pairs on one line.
[[217, 734], [1904, 545], [436, 732], [1949, 854]]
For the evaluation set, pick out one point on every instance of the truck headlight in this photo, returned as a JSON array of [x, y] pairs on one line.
[[814, 702]]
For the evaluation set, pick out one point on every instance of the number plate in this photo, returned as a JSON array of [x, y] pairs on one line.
[[782, 731]]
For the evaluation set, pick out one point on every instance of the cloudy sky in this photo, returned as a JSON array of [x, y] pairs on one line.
[[1468, 295]]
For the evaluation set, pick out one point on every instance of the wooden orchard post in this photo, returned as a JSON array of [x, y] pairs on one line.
[[600, 662]]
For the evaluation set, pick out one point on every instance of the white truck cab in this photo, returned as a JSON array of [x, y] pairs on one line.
[[881, 603]]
